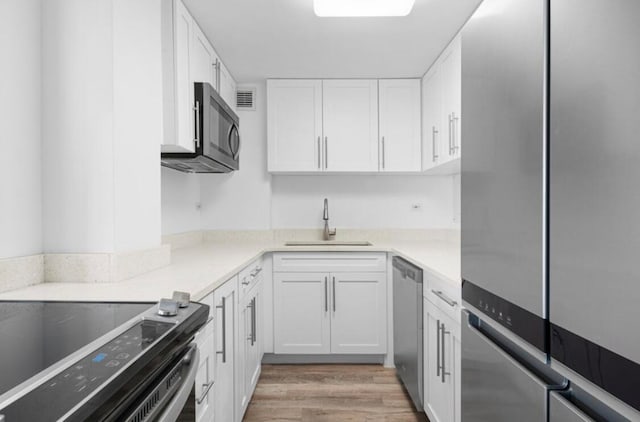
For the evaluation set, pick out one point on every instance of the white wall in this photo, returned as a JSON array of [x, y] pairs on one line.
[[100, 139], [241, 200], [20, 147], [363, 202], [180, 202], [137, 132], [251, 199], [77, 126]]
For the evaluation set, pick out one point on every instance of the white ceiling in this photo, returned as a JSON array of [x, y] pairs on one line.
[[260, 39]]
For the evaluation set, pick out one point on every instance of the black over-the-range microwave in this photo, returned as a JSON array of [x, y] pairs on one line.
[[217, 137]]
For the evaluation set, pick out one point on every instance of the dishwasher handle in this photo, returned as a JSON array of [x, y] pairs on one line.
[[407, 270]]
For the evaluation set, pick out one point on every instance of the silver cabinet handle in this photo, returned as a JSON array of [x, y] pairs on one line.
[[255, 272], [443, 332], [197, 111], [326, 152], [224, 330], [245, 282], [216, 66], [334, 294], [438, 349], [383, 154], [326, 296], [319, 154], [455, 132], [450, 134], [254, 311], [206, 387], [434, 153], [444, 298], [250, 336]]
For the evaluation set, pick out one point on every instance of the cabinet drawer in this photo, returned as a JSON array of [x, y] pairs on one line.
[[250, 276], [444, 294], [329, 262]]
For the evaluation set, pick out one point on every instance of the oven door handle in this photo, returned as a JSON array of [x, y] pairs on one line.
[[173, 409]]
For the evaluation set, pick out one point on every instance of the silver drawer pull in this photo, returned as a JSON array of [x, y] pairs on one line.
[[443, 297], [206, 387], [256, 271]]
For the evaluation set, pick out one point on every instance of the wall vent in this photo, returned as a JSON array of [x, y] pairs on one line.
[[246, 98]]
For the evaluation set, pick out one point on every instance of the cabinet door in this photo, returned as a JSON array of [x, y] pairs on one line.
[[227, 86], [255, 361], [205, 376], [399, 111], [294, 120], [226, 302], [350, 125], [301, 313], [439, 389], [183, 27], [432, 147], [245, 318], [203, 58], [358, 313], [451, 71]]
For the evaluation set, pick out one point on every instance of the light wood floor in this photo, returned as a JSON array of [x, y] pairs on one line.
[[336, 393]]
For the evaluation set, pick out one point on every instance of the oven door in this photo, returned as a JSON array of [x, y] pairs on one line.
[[170, 397], [219, 128]]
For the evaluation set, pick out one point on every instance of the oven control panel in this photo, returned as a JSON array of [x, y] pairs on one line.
[[69, 387]]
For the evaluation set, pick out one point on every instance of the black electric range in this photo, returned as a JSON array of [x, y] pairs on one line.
[[86, 360]]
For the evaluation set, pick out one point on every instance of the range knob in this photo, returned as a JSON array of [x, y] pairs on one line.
[[183, 298], [167, 307]]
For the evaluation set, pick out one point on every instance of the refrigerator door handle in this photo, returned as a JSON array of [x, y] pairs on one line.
[[562, 410]]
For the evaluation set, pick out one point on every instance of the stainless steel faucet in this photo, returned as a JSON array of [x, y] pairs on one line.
[[328, 233]]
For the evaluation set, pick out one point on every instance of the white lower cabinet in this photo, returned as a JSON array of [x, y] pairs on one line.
[[249, 346], [359, 317], [225, 317], [301, 313], [335, 311], [442, 350], [205, 377]]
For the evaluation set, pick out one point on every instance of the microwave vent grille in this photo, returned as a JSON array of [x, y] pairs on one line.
[[245, 99]]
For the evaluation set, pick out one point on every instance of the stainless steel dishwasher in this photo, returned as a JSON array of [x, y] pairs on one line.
[[408, 327]]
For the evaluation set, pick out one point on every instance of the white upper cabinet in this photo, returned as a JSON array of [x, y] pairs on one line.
[[294, 116], [399, 109], [226, 86], [451, 68], [442, 111], [431, 129], [350, 125], [178, 89], [203, 58], [187, 57], [324, 126]]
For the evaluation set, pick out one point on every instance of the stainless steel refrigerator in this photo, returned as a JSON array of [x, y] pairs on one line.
[[550, 189]]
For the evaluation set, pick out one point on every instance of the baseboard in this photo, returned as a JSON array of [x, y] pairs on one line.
[[278, 359]]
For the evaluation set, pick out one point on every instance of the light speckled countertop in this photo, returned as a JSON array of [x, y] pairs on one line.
[[201, 268]]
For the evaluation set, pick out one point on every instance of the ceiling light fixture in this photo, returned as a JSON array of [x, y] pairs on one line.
[[345, 8]]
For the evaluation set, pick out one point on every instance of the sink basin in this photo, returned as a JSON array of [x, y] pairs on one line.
[[328, 243]]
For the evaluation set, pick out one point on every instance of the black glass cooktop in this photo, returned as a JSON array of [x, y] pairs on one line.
[[36, 335]]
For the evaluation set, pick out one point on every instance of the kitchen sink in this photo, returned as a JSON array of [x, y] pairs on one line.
[[328, 243]]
